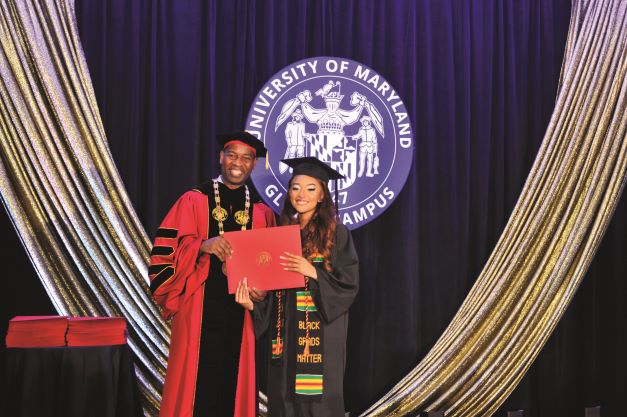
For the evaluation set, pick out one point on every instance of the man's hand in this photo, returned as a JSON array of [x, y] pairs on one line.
[[217, 246], [257, 295]]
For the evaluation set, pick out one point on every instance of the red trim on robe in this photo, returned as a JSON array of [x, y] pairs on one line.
[[246, 394], [180, 300]]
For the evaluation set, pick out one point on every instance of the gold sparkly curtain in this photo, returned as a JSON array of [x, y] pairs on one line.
[[61, 188], [550, 239]]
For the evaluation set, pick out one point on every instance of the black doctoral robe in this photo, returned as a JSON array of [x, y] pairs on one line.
[[333, 293], [222, 319]]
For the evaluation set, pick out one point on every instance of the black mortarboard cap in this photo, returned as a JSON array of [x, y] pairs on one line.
[[312, 167], [246, 138]]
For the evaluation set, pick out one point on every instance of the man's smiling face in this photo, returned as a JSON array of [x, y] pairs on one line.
[[237, 161]]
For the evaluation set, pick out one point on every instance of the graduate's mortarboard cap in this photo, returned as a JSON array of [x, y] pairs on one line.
[[312, 167], [243, 137]]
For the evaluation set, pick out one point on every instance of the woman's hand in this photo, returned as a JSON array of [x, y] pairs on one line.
[[298, 264], [242, 297]]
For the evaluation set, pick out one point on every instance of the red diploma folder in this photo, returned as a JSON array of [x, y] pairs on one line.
[[36, 331], [96, 331], [256, 257]]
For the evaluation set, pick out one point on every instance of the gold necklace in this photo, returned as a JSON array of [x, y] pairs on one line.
[[220, 214]]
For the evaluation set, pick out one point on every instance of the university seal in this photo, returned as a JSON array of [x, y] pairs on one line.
[[345, 114]]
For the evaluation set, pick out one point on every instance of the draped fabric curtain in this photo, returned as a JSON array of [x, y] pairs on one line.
[[61, 187], [479, 81], [565, 206]]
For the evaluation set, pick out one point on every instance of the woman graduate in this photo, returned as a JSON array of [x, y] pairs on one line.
[[308, 325]]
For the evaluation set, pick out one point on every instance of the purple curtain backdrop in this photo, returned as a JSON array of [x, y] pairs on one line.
[[479, 79]]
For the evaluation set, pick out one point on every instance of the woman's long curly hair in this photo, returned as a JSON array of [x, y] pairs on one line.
[[319, 232]]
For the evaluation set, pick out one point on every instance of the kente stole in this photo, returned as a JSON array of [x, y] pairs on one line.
[[307, 337]]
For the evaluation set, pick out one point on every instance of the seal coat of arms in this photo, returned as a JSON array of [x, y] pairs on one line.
[[343, 113]]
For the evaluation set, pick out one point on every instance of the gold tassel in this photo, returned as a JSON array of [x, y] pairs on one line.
[[267, 159], [306, 350]]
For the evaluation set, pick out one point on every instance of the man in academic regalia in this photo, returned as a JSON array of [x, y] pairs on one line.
[[211, 363]]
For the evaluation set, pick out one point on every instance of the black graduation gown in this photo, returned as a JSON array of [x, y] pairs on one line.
[[333, 293]]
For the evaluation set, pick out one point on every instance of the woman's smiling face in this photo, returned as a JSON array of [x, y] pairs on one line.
[[305, 193]]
